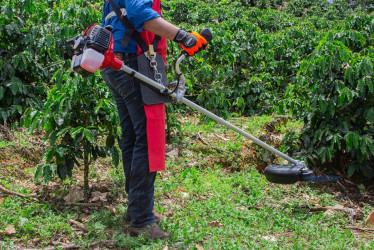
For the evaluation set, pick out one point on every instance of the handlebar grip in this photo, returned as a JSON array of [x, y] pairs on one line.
[[207, 34]]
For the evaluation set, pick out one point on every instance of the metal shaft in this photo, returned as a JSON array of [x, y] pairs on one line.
[[207, 113]]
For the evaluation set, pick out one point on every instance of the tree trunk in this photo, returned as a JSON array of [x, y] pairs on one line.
[[86, 171]]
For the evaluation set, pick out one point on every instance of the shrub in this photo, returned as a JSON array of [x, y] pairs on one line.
[[338, 91]]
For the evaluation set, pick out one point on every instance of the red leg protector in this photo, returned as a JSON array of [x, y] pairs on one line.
[[156, 136]]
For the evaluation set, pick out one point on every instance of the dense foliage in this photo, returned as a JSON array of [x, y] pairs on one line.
[[33, 47], [338, 91], [74, 112], [312, 59]]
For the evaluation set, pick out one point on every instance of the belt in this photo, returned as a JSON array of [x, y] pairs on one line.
[[122, 56], [112, 14]]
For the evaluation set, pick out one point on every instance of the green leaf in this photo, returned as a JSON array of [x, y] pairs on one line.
[[351, 170], [115, 156], [60, 151], [53, 137], [322, 152], [363, 146], [370, 84], [352, 140], [370, 115], [4, 115], [371, 147], [63, 131], [88, 135], [355, 140], [13, 87], [110, 140], [349, 75], [361, 85], [2, 92], [47, 173], [345, 97], [38, 172], [49, 154], [74, 132], [20, 85], [62, 171], [337, 140]]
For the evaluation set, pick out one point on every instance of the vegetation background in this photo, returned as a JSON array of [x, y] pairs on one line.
[[297, 74]]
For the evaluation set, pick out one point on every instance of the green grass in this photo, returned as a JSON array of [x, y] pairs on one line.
[[206, 204]]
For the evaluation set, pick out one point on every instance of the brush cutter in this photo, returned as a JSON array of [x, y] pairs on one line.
[[94, 51]]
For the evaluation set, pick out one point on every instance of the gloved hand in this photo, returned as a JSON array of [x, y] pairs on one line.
[[191, 42]]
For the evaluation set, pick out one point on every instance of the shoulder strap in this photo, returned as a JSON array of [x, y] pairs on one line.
[[130, 30]]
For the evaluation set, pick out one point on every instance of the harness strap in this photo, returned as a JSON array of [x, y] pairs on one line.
[[130, 30], [155, 42], [112, 14]]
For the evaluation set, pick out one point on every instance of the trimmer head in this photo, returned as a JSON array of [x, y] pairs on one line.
[[292, 173], [288, 174]]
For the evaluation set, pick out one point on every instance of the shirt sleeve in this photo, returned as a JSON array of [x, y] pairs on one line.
[[140, 11]]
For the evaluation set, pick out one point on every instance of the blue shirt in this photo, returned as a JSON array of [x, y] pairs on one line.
[[138, 12]]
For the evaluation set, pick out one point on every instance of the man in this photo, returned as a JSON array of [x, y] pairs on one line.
[[143, 136]]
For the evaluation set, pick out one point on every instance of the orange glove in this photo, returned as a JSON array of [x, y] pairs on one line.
[[191, 42]]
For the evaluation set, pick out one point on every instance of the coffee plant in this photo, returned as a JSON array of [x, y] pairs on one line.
[[80, 124], [33, 46], [311, 59], [338, 91]]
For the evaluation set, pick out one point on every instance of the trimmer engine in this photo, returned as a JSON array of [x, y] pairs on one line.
[[90, 48]]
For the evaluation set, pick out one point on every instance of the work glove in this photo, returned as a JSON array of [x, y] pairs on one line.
[[191, 42]]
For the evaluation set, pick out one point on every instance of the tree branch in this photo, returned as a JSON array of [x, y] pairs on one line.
[[3, 189]]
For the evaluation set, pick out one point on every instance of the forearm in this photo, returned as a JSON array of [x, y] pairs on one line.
[[161, 27]]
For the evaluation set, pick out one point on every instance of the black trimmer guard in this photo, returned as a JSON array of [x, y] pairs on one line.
[[288, 174]]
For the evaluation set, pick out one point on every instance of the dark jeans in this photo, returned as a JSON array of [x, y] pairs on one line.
[[139, 181]]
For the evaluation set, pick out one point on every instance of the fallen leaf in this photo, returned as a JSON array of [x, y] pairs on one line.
[[98, 196], [178, 190], [104, 188], [199, 247], [112, 209], [338, 207], [120, 197], [173, 153], [8, 230], [166, 248], [79, 226], [1, 201], [168, 214], [329, 212], [370, 219], [241, 209], [269, 238], [75, 195], [201, 197], [215, 224]]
